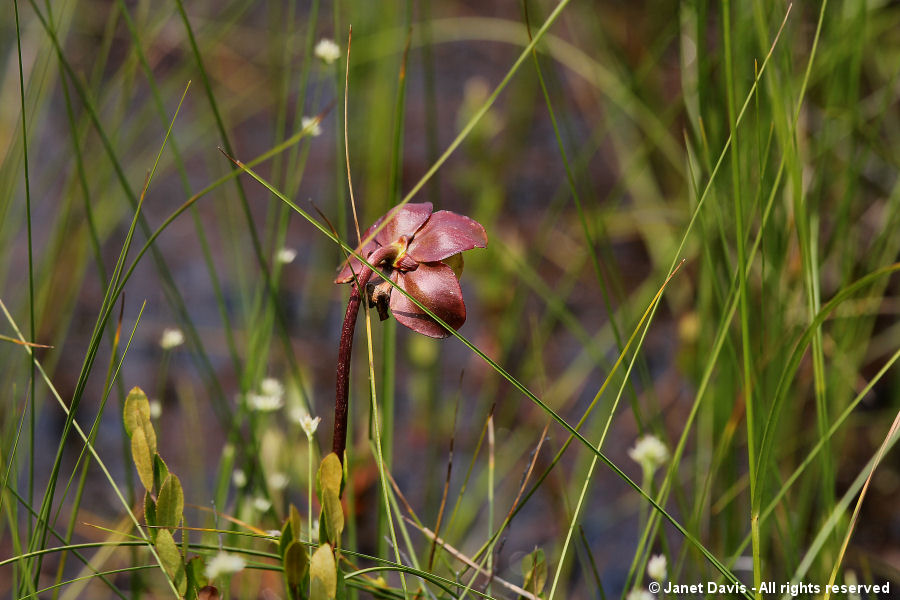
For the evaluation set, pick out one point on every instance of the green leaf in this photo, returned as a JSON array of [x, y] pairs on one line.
[[332, 516], [136, 406], [296, 522], [341, 589], [330, 475], [170, 504], [196, 576], [296, 563], [286, 537], [142, 453], [185, 532], [171, 559], [322, 574], [150, 513], [143, 437], [534, 567], [328, 482], [160, 471]]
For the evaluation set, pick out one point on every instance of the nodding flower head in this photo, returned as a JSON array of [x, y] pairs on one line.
[[419, 250]]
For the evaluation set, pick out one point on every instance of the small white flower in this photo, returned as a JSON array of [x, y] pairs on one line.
[[307, 121], [271, 387], [640, 595], [155, 409], [239, 478], [228, 451], [270, 397], [649, 452], [656, 568], [286, 255], [261, 504], [314, 530], [171, 338], [224, 563], [273, 533], [309, 425], [262, 403], [327, 51], [278, 481]]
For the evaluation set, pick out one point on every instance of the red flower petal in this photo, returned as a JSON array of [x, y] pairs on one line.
[[445, 234], [435, 286], [346, 275], [405, 221]]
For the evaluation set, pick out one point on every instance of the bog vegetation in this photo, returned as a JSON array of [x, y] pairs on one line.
[[674, 364]]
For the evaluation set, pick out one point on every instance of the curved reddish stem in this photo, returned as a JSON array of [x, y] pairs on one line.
[[345, 349]]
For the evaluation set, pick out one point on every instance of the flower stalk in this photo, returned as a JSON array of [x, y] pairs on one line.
[[345, 350]]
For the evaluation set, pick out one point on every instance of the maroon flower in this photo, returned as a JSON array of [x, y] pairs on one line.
[[420, 252]]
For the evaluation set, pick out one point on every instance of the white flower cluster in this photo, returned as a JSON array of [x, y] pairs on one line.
[[278, 481], [172, 337], [327, 51], [239, 478], [649, 452], [271, 387], [656, 568], [309, 425], [155, 409], [315, 131], [269, 397], [224, 563], [286, 255]]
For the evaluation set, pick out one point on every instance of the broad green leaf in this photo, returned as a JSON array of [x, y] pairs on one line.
[[170, 503], [534, 567], [142, 454], [136, 406], [196, 576], [185, 531], [330, 475], [143, 437], [322, 574], [171, 559], [296, 522], [160, 471], [332, 516], [149, 509], [296, 563], [286, 537], [149, 433]]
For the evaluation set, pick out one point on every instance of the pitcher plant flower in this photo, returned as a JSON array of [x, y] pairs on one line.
[[418, 250]]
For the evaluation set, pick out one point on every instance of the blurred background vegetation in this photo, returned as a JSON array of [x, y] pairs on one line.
[[633, 138]]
